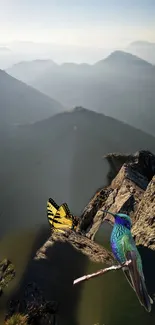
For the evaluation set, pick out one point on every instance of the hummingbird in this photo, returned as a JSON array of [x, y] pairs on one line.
[[124, 249]]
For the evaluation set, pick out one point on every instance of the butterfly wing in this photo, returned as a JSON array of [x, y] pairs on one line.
[[52, 208], [53, 203], [63, 218], [59, 217]]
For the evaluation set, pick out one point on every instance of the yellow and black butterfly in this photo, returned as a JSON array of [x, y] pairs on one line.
[[60, 217]]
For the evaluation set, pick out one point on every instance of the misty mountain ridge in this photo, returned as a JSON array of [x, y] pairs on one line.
[[38, 63], [39, 72], [142, 43], [30, 69], [20, 104], [121, 58], [4, 49], [121, 86], [116, 57], [61, 157], [22, 50]]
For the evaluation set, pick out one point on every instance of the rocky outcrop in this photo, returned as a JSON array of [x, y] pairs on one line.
[[7, 273], [142, 161], [129, 192], [81, 244]]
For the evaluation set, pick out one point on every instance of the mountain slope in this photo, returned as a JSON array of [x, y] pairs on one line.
[[20, 104], [121, 86], [60, 157]]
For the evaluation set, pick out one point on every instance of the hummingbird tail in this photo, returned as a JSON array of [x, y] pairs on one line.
[[138, 283], [127, 274], [145, 298]]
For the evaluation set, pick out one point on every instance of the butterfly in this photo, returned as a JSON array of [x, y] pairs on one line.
[[60, 217]]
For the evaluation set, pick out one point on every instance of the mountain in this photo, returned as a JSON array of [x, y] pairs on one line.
[[58, 52], [4, 49], [61, 157], [30, 69], [143, 49], [120, 59], [20, 104], [121, 86]]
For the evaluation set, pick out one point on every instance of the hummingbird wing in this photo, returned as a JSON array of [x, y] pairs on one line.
[[134, 272]]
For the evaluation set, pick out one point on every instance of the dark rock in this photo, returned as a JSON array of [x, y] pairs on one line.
[[34, 306], [7, 273]]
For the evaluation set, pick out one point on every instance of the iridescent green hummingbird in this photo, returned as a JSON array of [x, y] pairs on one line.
[[124, 248]]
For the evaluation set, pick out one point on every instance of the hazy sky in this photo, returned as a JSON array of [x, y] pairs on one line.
[[96, 23]]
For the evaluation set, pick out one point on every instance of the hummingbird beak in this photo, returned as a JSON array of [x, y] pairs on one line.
[[113, 214]]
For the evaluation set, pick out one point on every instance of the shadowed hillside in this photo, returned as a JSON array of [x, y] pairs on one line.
[[60, 157], [21, 104]]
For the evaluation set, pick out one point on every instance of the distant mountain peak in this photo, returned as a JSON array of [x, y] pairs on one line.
[[141, 43], [4, 49], [36, 61], [79, 109], [120, 57], [76, 109]]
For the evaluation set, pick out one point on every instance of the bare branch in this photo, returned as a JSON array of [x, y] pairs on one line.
[[102, 271]]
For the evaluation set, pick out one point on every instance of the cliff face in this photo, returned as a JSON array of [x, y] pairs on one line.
[[132, 192], [144, 227]]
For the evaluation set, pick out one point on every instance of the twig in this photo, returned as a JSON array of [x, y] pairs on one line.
[[100, 272]]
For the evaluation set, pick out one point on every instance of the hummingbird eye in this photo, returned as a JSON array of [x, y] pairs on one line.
[[127, 224]]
